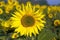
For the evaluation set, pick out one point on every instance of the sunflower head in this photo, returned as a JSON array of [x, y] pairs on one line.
[[18, 7], [6, 23], [54, 8], [1, 11], [43, 7], [28, 20], [15, 35], [57, 22], [8, 8], [58, 8], [2, 3], [10, 1], [50, 15], [49, 9]]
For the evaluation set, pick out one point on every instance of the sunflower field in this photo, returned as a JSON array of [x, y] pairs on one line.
[[28, 21]]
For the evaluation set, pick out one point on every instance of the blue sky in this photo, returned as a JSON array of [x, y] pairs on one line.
[[53, 2]]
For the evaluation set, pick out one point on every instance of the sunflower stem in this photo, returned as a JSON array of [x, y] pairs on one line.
[[28, 38]]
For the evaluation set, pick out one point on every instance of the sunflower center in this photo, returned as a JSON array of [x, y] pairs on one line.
[[27, 21]]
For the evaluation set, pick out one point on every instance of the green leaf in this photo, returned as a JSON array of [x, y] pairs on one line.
[[2, 38], [45, 35]]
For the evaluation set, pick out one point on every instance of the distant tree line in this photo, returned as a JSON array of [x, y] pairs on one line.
[[41, 2]]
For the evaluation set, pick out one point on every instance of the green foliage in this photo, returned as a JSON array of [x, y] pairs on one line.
[[46, 35]]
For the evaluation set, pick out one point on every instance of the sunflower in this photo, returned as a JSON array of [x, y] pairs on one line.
[[12, 2], [6, 24], [15, 35], [56, 22], [52, 12], [8, 8], [43, 7], [18, 7], [49, 9], [28, 20], [58, 8], [10, 5], [16, 3], [37, 6], [50, 15], [54, 8], [1, 11], [2, 3]]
